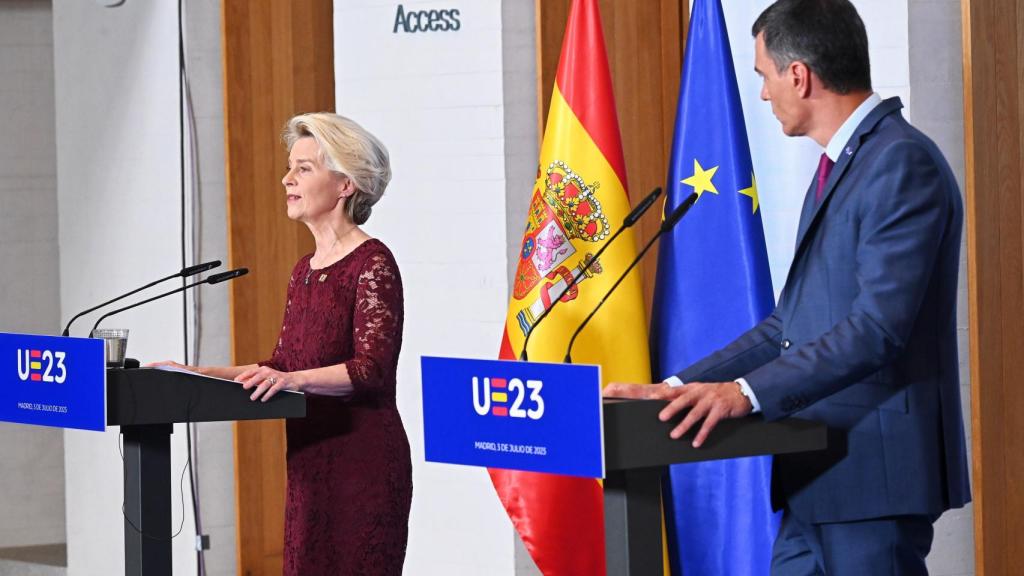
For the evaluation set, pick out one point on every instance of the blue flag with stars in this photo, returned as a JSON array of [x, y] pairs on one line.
[[713, 284]]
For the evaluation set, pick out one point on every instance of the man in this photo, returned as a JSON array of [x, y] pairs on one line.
[[863, 338]]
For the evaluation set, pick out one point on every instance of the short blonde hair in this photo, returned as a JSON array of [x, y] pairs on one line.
[[348, 149]]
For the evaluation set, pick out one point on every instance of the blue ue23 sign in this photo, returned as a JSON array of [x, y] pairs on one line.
[[52, 381], [517, 415]]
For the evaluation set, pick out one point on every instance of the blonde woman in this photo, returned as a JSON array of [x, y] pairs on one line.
[[349, 469]]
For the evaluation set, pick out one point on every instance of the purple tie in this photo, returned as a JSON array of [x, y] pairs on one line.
[[824, 169]]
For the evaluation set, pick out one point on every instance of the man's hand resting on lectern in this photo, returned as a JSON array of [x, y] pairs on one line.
[[708, 401]]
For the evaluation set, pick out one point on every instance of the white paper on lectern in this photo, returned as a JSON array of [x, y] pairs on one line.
[[167, 368]]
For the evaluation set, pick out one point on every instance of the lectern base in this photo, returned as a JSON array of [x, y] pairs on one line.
[[145, 402], [147, 499], [632, 522], [638, 451]]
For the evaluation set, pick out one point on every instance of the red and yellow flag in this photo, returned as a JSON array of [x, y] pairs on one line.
[[578, 201]]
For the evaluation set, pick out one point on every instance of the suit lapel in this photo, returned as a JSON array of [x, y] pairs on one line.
[[812, 210], [806, 213]]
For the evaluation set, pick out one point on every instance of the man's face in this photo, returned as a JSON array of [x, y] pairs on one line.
[[782, 89]]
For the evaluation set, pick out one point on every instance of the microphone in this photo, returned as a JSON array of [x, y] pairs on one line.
[[628, 222], [666, 225], [198, 269], [183, 273], [225, 276], [215, 279]]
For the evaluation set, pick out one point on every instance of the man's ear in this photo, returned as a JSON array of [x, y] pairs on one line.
[[800, 78]]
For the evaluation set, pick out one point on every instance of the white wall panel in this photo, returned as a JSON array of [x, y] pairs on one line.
[[32, 474], [118, 197], [436, 100]]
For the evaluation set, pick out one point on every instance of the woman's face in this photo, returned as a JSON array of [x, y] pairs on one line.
[[312, 190]]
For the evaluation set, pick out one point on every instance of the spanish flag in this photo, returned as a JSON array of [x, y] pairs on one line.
[[579, 199]]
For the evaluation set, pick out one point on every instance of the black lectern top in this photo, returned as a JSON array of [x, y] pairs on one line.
[[635, 438], [152, 396]]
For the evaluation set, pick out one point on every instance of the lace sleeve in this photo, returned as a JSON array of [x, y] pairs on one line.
[[377, 327]]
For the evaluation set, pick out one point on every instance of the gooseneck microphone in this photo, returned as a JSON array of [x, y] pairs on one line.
[[183, 273], [215, 279], [666, 225], [627, 222]]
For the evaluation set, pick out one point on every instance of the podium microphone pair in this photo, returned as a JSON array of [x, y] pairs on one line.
[[667, 224], [183, 273]]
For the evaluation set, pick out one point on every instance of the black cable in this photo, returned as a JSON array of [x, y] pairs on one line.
[[200, 553], [181, 151], [184, 263], [181, 493], [193, 479]]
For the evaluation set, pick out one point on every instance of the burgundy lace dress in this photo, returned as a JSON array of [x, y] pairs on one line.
[[349, 470]]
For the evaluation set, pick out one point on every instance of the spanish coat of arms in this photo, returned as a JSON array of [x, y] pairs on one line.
[[563, 208]]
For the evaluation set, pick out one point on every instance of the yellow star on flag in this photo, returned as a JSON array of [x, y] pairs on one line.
[[752, 191], [701, 179]]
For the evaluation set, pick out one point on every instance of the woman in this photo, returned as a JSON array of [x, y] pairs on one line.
[[349, 469]]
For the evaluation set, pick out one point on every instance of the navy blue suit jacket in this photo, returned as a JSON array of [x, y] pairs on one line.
[[864, 336]]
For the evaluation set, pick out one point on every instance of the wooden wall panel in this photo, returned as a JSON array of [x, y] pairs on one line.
[[994, 133], [278, 61], [645, 45]]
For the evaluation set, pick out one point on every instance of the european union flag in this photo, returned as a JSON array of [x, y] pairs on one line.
[[713, 284]]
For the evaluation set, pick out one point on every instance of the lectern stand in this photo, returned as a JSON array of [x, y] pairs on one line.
[[146, 403], [551, 418], [638, 451]]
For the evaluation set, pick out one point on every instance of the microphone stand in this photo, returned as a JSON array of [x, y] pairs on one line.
[[667, 225], [183, 273], [628, 222], [215, 279]]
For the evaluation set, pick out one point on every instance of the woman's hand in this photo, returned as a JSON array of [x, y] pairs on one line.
[[267, 382], [173, 364]]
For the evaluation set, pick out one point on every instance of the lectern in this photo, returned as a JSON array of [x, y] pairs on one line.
[[551, 418], [146, 403], [638, 451]]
